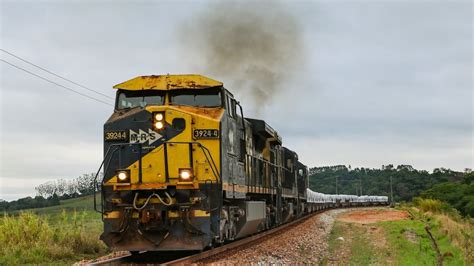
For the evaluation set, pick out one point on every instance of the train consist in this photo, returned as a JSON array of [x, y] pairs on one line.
[[321, 201], [183, 169]]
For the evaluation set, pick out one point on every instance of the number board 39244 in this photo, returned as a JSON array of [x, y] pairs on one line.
[[116, 135], [206, 133]]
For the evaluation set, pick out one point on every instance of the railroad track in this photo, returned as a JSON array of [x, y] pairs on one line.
[[186, 258], [180, 258]]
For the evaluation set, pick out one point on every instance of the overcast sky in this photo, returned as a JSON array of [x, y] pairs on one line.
[[381, 81]]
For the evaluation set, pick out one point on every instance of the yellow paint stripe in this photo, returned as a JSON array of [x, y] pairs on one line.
[[195, 213], [201, 213], [152, 186], [112, 215], [173, 214]]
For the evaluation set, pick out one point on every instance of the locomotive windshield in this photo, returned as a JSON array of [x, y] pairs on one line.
[[201, 98], [131, 99]]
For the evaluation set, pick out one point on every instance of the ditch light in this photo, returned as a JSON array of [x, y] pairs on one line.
[[123, 176], [185, 175]]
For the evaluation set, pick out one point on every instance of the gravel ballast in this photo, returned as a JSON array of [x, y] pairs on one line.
[[306, 243]]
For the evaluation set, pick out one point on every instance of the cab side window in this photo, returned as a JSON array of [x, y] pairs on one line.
[[234, 109], [230, 106]]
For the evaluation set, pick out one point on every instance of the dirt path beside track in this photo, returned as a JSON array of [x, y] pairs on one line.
[[356, 240], [373, 216]]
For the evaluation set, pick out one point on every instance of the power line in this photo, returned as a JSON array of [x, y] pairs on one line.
[[54, 74], [57, 84]]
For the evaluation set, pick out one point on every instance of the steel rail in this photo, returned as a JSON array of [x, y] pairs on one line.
[[111, 261]]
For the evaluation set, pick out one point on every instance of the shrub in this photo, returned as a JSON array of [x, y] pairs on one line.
[[433, 205], [29, 238], [458, 195]]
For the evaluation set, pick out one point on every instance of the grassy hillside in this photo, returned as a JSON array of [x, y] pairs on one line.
[[85, 203], [62, 234]]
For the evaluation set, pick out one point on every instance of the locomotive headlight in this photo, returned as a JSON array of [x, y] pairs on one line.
[[159, 116], [185, 175], [159, 120], [159, 125], [123, 176]]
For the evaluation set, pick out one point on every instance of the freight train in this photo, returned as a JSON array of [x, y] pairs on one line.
[[183, 169]]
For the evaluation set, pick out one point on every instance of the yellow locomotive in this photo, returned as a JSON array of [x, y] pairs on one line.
[[183, 168]]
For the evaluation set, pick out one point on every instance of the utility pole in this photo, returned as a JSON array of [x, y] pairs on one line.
[[391, 192], [360, 185], [336, 186]]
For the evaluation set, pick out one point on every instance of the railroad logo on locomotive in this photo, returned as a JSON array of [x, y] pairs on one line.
[[142, 136]]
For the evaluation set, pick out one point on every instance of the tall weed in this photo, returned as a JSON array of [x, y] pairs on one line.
[[450, 223], [461, 233], [29, 238], [433, 205]]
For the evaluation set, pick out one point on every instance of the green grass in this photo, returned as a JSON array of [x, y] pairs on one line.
[[60, 234], [362, 251], [411, 245], [83, 205], [356, 241], [338, 230]]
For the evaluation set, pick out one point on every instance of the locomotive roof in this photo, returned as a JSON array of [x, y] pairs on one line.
[[262, 128], [168, 82]]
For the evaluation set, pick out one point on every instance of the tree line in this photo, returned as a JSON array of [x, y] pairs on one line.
[[460, 195], [407, 183], [50, 193]]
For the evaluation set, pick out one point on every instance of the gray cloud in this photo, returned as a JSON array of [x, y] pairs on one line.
[[382, 83]]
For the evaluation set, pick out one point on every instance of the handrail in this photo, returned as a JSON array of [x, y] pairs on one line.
[[117, 146], [268, 162], [95, 179]]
